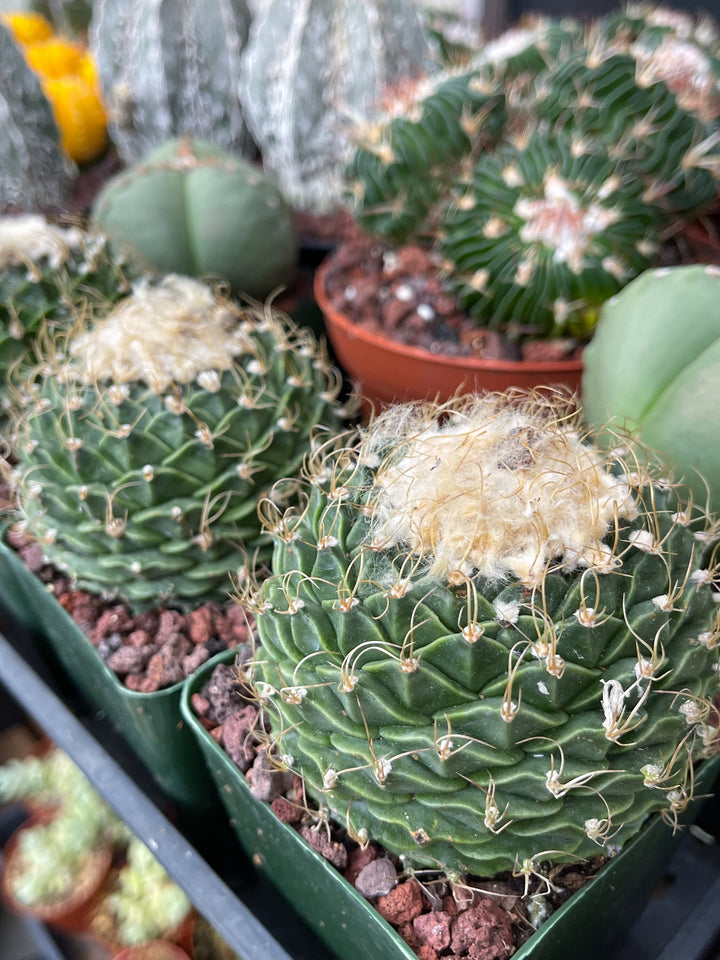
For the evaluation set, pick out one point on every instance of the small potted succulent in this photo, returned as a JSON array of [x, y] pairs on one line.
[[74, 864], [490, 647], [58, 861], [143, 442], [504, 202]]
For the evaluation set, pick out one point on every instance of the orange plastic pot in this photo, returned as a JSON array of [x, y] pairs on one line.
[[155, 950], [70, 913], [388, 371]]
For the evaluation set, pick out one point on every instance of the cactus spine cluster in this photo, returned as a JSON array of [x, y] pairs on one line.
[[633, 100], [170, 68], [192, 208], [485, 642], [144, 442], [34, 172], [47, 271], [308, 69]]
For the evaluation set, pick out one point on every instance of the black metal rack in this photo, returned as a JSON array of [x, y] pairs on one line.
[[201, 852]]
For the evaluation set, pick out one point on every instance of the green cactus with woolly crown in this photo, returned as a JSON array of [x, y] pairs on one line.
[[485, 643], [144, 442], [46, 272], [192, 208]]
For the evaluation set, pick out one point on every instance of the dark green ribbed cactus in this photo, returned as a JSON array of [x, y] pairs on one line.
[[542, 232], [403, 160], [145, 442], [46, 272], [486, 643]]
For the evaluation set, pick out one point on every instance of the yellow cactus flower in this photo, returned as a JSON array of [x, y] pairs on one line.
[[54, 57], [80, 116], [27, 28]]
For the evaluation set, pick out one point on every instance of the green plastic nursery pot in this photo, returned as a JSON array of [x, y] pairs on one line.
[[149, 722], [593, 917], [13, 591]]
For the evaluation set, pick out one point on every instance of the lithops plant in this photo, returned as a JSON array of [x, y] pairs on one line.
[[47, 271], [192, 208], [34, 171], [169, 68], [486, 643], [311, 67], [670, 401], [145, 441]]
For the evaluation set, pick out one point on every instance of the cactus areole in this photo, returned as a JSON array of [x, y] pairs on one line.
[[144, 442], [486, 643]]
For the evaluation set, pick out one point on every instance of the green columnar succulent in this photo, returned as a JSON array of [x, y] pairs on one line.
[[145, 903], [485, 643], [309, 69], [542, 232], [145, 442], [653, 368], [34, 172], [171, 68], [192, 208], [46, 272]]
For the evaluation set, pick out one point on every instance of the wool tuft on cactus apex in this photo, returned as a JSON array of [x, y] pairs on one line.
[[485, 639], [144, 441], [168, 68], [309, 69]]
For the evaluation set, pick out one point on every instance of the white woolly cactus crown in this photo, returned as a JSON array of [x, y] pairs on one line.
[[502, 490], [173, 331]]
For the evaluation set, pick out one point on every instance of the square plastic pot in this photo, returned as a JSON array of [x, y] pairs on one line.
[[584, 926], [150, 723]]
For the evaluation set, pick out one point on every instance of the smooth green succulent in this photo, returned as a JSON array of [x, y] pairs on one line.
[[653, 369], [48, 271], [486, 643], [144, 443], [189, 207]]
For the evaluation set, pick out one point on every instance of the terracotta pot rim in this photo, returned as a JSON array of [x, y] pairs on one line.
[[349, 328]]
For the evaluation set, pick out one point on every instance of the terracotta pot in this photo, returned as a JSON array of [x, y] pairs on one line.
[[155, 950], [180, 937], [70, 913], [386, 370]]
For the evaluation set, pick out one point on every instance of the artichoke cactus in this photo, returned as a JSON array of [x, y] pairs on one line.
[[647, 374], [144, 442], [486, 643], [48, 270], [192, 208]]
